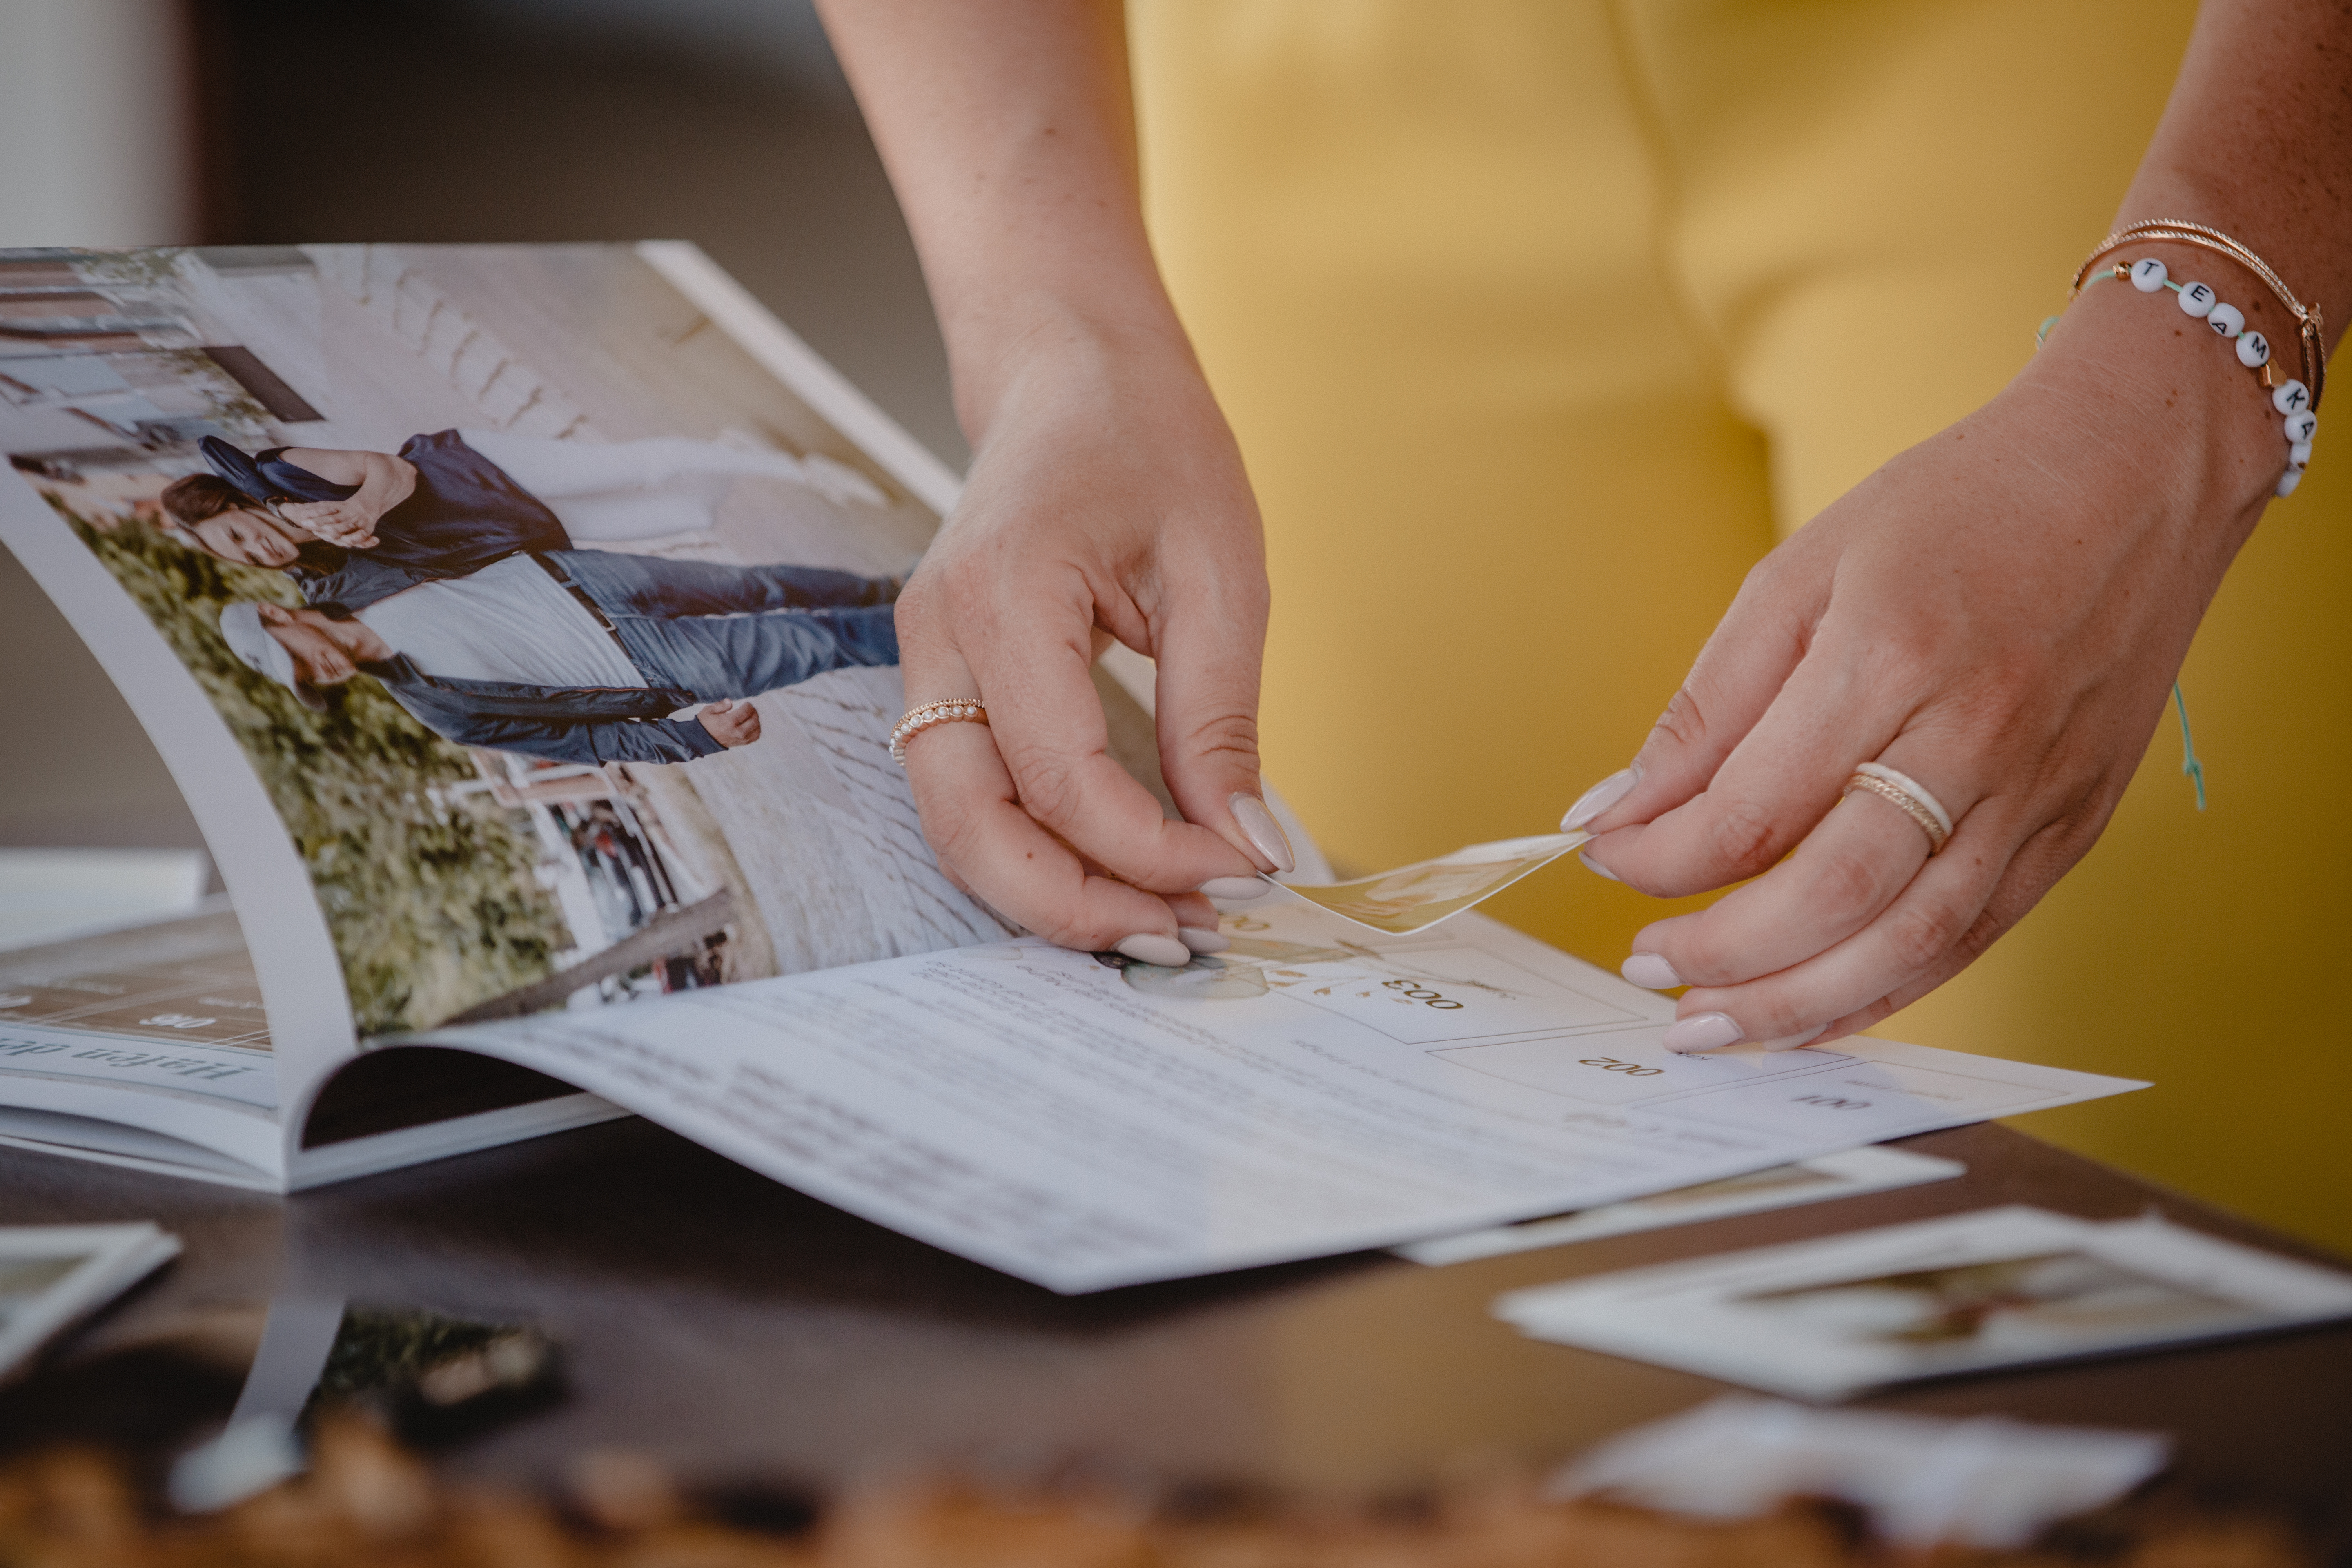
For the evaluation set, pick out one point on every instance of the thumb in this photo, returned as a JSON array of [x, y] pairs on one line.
[[1206, 713]]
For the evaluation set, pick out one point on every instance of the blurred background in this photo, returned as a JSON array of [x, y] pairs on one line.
[[256, 121]]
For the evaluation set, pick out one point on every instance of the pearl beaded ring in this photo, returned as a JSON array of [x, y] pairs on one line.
[[965, 709]]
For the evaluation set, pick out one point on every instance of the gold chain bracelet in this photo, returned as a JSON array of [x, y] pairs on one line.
[[2311, 328]]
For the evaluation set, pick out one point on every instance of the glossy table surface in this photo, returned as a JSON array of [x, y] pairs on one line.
[[736, 1329]]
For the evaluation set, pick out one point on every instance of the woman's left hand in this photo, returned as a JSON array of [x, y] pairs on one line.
[[344, 522], [1999, 614]]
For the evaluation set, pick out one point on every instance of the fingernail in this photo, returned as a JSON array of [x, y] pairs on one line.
[[1651, 971], [1164, 951], [1600, 797], [1790, 1042], [1706, 1032], [1596, 867], [1262, 830], [1235, 887], [1201, 940]]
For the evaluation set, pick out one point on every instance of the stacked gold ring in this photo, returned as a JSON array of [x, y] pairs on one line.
[[1908, 795], [961, 709]]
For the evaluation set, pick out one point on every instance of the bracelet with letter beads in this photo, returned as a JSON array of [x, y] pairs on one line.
[[2310, 326], [2291, 398]]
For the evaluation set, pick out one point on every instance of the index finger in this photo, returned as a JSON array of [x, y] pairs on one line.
[[1781, 778], [999, 852], [1054, 746]]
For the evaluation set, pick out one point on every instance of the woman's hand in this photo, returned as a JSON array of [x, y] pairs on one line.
[[345, 523], [380, 482], [1107, 494], [1999, 614]]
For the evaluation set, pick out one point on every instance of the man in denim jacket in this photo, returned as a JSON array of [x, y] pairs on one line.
[[582, 656]]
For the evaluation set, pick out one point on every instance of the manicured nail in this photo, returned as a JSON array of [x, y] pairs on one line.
[[1262, 830], [1790, 1042], [1236, 889], [1600, 797], [1200, 939], [1596, 867], [1706, 1032], [1651, 971], [1164, 951]]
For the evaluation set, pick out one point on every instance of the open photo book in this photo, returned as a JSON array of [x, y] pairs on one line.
[[517, 623]]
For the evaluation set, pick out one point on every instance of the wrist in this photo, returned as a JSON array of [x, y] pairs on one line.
[[1041, 341], [2163, 406]]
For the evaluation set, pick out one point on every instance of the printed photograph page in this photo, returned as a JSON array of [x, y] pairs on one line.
[[516, 620], [1086, 1123]]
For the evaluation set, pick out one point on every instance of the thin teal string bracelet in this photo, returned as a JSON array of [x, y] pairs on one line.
[[2189, 763]]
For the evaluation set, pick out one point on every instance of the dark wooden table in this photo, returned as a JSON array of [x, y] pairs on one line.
[[736, 1329]]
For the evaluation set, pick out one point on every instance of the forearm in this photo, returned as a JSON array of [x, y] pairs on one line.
[[2176, 445], [380, 480], [643, 741], [1009, 133], [386, 481], [588, 744], [2257, 141]]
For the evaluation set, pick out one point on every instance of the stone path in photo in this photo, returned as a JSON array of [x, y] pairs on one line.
[[824, 826]]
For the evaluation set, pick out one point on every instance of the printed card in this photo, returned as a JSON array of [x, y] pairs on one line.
[[2008, 1286], [1846, 1176], [51, 1275], [1414, 898]]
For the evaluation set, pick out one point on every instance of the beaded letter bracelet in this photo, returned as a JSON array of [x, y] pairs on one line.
[[2310, 330], [2296, 401], [2289, 397]]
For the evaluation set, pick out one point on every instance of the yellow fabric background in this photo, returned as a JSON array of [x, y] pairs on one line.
[[1538, 321]]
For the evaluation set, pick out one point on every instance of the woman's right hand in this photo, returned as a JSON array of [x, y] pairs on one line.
[[344, 522], [1105, 496]]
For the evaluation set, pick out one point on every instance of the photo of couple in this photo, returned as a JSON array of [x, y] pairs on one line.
[[556, 626], [457, 586]]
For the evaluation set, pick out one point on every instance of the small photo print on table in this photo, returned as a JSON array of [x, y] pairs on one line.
[[1843, 1176], [25, 1280], [51, 1275], [1835, 1316], [2053, 1304]]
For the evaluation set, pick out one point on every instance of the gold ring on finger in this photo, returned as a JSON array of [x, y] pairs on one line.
[[1908, 794], [958, 710]]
